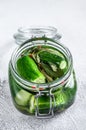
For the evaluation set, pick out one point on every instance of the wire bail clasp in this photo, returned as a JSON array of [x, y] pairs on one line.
[[50, 113]]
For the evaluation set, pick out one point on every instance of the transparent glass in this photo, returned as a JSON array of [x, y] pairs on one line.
[[25, 33], [42, 99]]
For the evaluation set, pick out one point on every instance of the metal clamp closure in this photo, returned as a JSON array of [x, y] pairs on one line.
[[50, 113]]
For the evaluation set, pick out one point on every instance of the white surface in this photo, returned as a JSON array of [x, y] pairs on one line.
[[69, 16]]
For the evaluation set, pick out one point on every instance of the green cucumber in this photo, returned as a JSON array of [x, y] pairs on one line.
[[49, 71], [22, 98], [60, 99], [63, 64], [44, 102], [50, 57], [54, 51], [28, 70]]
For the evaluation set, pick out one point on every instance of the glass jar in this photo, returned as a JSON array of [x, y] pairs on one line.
[[41, 99]]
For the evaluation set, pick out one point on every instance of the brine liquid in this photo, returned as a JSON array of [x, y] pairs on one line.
[[51, 63], [51, 69]]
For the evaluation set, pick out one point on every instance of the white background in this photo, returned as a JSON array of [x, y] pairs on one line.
[[69, 17]]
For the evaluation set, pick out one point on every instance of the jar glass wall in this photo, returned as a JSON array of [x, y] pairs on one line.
[[42, 99]]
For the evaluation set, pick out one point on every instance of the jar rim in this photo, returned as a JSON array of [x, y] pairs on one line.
[[25, 33], [43, 28], [39, 86]]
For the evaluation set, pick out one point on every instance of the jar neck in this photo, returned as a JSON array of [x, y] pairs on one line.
[[35, 42], [24, 34]]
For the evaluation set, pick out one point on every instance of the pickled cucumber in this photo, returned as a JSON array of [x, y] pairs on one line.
[[22, 97], [28, 69]]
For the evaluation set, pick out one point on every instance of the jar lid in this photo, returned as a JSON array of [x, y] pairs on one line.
[[25, 33]]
